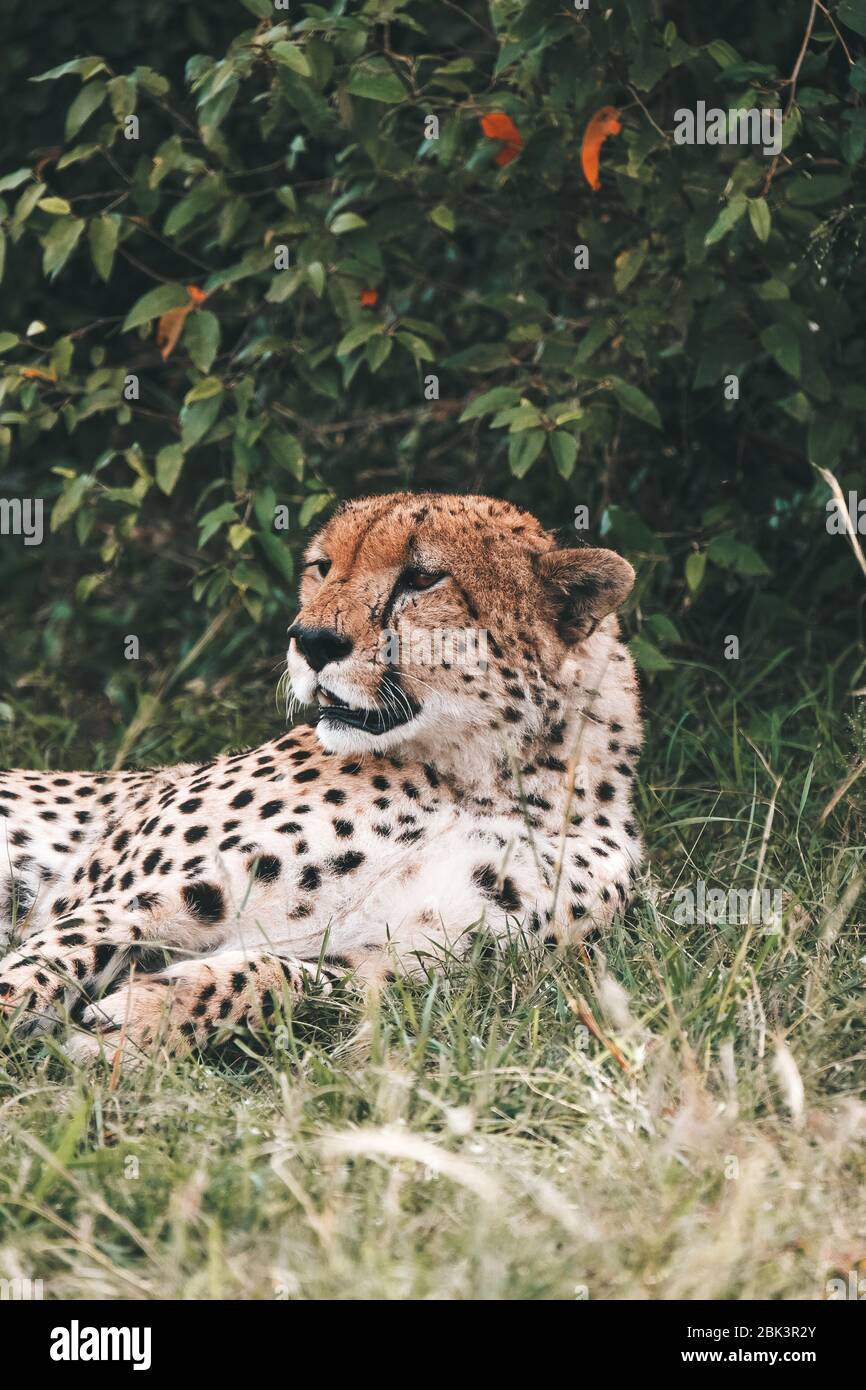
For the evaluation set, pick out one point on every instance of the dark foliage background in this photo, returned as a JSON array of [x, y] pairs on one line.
[[558, 387]]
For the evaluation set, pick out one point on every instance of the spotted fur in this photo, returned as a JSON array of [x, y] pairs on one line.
[[161, 906]]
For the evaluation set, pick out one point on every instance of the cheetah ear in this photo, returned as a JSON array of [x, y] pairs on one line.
[[584, 585]]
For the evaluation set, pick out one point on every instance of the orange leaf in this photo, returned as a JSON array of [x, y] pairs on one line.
[[196, 295], [38, 373], [368, 298], [169, 329], [497, 125], [604, 123]]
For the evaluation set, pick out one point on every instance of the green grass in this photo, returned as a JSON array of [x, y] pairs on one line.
[[472, 1137]]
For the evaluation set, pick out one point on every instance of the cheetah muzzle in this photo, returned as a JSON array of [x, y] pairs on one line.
[[436, 793]]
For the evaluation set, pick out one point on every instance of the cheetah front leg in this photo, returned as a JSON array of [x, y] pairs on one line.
[[57, 970], [189, 1004]]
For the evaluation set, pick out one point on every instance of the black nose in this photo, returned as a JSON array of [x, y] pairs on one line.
[[320, 644]]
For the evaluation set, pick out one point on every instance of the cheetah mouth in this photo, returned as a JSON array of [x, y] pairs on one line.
[[400, 709]]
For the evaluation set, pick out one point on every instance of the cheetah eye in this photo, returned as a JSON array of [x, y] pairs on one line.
[[418, 580], [320, 566]]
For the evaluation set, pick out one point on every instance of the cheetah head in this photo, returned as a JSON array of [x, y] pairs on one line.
[[431, 619]]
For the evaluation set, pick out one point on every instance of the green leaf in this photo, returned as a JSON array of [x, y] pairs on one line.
[[482, 357], [853, 14], [201, 201], [76, 154], [25, 205], [196, 420], [727, 218], [285, 451], [60, 242], [376, 87], [201, 338], [212, 521], [804, 190], [592, 340], [759, 216], [828, 436], [346, 222], [315, 503], [239, 535], [203, 390], [648, 656], [316, 276], [628, 265], [518, 417], [731, 554], [10, 181], [88, 584], [102, 234], [81, 67], [121, 95], [378, 351], [356, 336], [523, 450], [722, 53], [154, 304], [151, 81], [70, 500], [420, 350], [696, 564], [632, 399], [563, 446], [88, 100], [781, 344], [7, 341], [443, 217], [292, 57], [57, 207], [169, 462], [489, 401], [277, 551]]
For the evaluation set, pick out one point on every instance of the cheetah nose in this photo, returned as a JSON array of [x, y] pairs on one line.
[[319, 645]]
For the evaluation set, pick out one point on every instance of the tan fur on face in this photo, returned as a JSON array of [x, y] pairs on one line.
[[505, 577]]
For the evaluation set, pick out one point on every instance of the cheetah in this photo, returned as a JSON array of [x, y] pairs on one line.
[[485, 787]]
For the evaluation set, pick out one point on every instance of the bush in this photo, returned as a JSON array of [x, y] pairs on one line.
[[260, 259]]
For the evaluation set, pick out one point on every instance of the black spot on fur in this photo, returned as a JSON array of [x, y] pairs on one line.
[[267, 868], [346, 863], [506, 897], [205, 901]]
